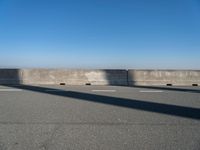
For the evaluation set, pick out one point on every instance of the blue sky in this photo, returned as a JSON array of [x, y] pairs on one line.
[[141, 34]]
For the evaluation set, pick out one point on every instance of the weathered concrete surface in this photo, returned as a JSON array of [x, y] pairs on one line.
[[99, 77], [75, 77], [163, 77], [69, 77]]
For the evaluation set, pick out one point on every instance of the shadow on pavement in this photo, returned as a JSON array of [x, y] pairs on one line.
[[169, 88], [168, 109]]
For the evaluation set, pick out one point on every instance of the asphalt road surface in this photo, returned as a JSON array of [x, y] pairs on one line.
[[99, 118]]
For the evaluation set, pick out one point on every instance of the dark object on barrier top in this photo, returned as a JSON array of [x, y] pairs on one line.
[[168, 84], [194, 84]]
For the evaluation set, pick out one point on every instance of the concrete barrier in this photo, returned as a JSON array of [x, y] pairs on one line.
[[164, 77], [99, 77], [10, 76], [57, 76], [75, 77]]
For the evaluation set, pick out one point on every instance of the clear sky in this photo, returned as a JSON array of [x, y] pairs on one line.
[[141, 34]]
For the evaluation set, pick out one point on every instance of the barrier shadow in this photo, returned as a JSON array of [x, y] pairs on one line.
[[116, 77], [10, 76], [168, 109], [168, 88]]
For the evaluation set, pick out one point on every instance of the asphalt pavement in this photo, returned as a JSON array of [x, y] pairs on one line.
[[99, 118]]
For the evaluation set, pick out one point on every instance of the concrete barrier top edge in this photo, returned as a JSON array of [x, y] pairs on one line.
[[162, 70], [62, 69], [100, 69]]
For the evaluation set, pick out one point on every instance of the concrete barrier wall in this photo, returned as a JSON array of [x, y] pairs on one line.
[[99, 77], [163, 77], [10, 76], [57, 76], [75, 77]]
